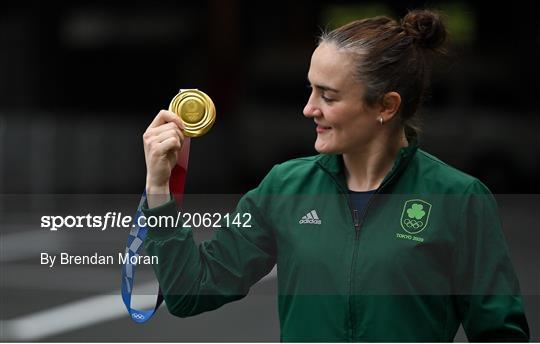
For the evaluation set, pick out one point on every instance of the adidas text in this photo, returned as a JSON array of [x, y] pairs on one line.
[[310, 218]]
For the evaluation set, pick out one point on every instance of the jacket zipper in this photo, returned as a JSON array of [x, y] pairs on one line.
[[357, 222]]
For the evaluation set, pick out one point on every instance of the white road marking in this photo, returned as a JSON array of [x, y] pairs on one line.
[[76, 315]]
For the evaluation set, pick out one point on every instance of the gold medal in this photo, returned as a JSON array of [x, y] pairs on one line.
[[196, 110]]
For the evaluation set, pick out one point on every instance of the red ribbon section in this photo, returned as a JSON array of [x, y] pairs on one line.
[[177, 181]]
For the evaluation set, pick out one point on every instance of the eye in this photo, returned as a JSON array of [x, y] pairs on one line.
[[326, 99]]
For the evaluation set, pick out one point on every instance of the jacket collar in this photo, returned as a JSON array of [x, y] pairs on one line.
[[333, 164]]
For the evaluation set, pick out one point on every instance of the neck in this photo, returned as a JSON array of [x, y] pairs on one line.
[[366, 167]]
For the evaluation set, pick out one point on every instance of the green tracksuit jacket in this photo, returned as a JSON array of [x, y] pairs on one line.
[[427, 255]]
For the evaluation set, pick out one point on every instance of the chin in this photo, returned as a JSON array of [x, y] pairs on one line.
[[324, 148]]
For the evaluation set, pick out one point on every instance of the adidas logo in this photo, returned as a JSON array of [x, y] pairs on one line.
[[311, 218]]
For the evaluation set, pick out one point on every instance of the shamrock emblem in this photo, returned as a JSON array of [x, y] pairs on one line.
[[416, 211]]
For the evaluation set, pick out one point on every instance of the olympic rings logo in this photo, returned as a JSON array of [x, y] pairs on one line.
[[413, 223], [137, 316]]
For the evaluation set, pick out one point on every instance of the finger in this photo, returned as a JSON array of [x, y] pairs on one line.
[[164, 127], [157, 135], [168, 134], [165, 116], [171, 144]]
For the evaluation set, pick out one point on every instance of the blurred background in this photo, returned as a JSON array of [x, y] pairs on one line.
[[80, 81]]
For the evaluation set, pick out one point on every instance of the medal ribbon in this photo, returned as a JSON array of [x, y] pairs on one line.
[[138, 234]]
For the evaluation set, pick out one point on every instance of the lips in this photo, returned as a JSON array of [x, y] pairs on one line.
[[322, 125], [322, 129]]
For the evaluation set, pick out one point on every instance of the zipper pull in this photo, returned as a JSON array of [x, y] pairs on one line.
[[356, 219]]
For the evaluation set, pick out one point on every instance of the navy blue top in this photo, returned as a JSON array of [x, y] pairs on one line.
[[359, 200]]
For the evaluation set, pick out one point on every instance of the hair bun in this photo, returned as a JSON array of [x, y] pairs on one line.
[[426, 27]]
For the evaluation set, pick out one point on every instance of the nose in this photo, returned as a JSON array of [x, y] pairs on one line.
[[311, 109]]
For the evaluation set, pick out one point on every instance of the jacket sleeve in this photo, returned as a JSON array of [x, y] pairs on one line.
[[488, 297], [198, 278]]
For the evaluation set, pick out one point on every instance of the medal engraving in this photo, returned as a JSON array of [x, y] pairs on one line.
[[196, 110]]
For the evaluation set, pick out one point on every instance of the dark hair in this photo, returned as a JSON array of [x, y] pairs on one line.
[[394, 56]]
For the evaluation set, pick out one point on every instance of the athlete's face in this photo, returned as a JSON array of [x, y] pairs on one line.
[[344, 123]]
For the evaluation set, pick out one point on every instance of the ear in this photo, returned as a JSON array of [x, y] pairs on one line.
[[389, 105]]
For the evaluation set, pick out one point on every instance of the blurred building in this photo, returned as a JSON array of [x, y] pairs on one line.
[[82, 80]]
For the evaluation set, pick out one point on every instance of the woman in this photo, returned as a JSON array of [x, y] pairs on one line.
[[374, 239]]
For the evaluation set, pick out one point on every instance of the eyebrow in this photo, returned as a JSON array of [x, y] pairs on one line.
[[324, 87]]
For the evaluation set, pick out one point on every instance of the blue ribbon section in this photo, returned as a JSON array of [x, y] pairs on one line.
[[133, 248]]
